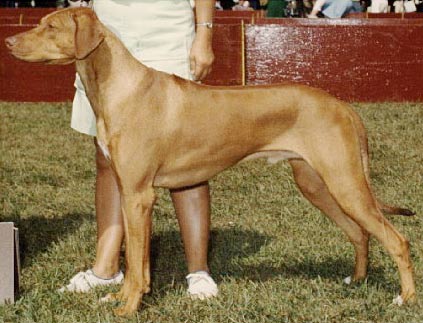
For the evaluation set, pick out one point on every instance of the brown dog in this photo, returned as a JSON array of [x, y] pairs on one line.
[[161, 130]]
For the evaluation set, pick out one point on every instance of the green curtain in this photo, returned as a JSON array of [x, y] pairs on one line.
[[276, 8]]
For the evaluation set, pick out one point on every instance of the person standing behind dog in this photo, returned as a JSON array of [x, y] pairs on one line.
[[162, 35]]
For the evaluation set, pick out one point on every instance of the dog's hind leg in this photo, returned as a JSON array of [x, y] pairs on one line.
[[344, 176], [316, 191], [356, 201]]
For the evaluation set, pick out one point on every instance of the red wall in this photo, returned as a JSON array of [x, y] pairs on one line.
[[354, 59], [23, 16], [227, 68], [21, 81], [34, 82]]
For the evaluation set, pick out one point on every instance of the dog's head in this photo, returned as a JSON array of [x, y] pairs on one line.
[[60, 38]]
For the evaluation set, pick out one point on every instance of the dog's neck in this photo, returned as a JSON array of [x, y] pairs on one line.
[[107, 71]]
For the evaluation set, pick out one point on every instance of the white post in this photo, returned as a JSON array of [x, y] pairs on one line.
[[9, 264]]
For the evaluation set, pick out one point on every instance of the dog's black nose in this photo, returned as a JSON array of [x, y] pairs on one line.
[[10, 41]]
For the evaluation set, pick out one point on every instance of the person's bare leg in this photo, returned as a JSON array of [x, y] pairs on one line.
[[192, 206], [109, 219], [109, 233]]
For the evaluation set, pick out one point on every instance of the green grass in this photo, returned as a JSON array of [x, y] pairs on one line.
[[275, 257]]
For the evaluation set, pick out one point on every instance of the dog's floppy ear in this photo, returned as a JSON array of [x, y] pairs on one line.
[[88, 33]]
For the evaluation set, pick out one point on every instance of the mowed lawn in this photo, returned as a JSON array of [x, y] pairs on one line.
[[275, 257]]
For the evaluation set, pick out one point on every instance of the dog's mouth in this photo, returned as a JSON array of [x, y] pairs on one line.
[[19, 52], [15, 46], [31, 57], [25, 56]]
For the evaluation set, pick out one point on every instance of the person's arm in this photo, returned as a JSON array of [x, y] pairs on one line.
[[201, 55]]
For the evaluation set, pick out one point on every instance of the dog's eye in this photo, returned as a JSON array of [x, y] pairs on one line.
[[51, 26]]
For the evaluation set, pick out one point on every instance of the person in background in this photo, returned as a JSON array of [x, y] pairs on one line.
[[162, 35], [358, 6], [60, 4], [79, 3], [379, 6], [227, 4], [276, 8], [242, 5], [331, 8], [8, 3], [398, 6], [255, 4]]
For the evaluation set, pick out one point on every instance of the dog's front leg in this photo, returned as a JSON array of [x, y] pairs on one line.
[[136, 208]]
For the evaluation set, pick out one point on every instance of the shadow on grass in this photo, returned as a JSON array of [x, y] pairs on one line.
[[330, 268], [230, 247], [227, 244], [37, 234]]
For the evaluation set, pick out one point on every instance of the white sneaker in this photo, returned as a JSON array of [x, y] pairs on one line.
[[83, 281], [201, 285]]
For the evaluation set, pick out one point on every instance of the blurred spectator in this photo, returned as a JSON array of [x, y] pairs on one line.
[[398, 6], [276, 8], [8, 3], [242, 5], [308, 6], [295, 9], [227, 4], [379, 6], [358, 6], [60, 3], [255, 4], [410, 6], [79, 3], [28, 3], [331, 8]]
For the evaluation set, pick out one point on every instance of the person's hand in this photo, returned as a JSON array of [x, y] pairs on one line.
[[201, 55]]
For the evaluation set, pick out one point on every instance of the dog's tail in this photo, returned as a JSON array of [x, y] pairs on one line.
[[362, 134], [391, 209]]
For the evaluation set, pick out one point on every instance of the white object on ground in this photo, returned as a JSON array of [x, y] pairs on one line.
[[84, 281], [398, 300], [201, 285]]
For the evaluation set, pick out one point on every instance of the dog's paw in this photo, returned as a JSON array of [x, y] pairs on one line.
[[128, 309], [398, 300], [123, 311], [348, 280], [110, 298]]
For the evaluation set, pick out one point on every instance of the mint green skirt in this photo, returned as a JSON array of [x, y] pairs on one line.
[[159, 33]]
